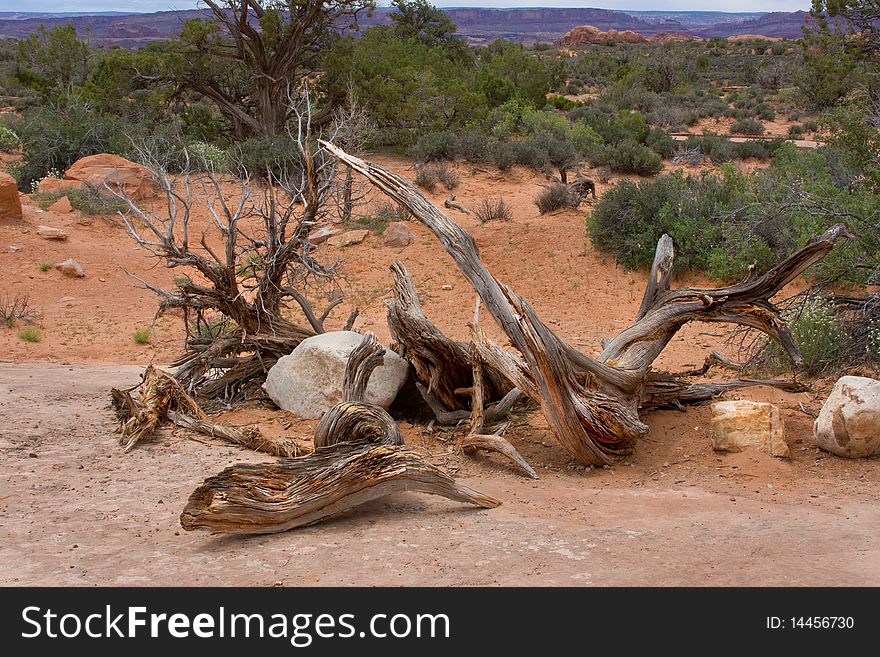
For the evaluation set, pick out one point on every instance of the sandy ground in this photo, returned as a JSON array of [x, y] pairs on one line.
[[75, 510]]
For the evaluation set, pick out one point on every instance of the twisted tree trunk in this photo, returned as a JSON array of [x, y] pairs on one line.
[[592, 404]]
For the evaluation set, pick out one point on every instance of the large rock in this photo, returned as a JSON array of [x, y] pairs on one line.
[[308, 382], [116, 172], [849, 422], [397, 235], [10, 203], [740, 425], [583, 35]]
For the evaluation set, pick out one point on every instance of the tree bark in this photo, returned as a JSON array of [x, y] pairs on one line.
[[592, 405]]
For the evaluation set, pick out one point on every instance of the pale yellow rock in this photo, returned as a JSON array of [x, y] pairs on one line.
[[349, 238], [740, 425]]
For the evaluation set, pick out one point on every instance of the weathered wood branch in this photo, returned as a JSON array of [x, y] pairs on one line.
[[441, 365], [353, 419], [267, 498], [163, 398]]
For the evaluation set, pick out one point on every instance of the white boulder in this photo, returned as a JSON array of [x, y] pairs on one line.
[[308, 381], [849, 422]]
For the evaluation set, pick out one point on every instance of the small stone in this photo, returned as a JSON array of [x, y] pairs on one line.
[[61, 206], [322, 234], [32, 455], [349, 238], [51, 233], [71, 267], [103, 280], [15, 248], [446, 287], [397, 235]]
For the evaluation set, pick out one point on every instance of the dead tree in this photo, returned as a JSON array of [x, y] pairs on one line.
[[246, 270], [592, 404], [359, 456]]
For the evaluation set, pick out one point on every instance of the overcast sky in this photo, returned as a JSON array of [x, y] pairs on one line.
[[667, 5]]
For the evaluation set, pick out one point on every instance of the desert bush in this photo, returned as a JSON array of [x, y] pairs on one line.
[[747, 127], [503, 155], [141, 336], [796, 130], [488, 210], [759, 149], [556, 197], [810, 126], [55, 138], [688, 155], [17, 309], [262, 157], [472, 146], [661, 142], [384, 213], [628, 157], [429, 175], [434, 146], [30, 334], [9, 141], [820, 335], [207, 157]]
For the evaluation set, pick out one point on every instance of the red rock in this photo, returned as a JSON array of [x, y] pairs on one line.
[[116, 172], [398, 235], [589, 35], [61, 206], [10, 203]]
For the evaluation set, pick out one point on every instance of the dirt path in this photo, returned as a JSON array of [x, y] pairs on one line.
[[74, 510]]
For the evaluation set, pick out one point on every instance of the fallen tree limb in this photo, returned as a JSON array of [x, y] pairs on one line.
[[493, 443], [163, 398], [268, 498], [450, 203], [592, 404]]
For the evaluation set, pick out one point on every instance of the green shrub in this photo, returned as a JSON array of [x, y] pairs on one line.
[[796, 130], [45, 266], [661, 142], [262, 157], [55, 138], [434, 146], [206, 157], [628, 157], [9, 141], [747, 127], [30, 334], [759, 149], [429, 175], [141, 336], [820, 336], [556, 197]]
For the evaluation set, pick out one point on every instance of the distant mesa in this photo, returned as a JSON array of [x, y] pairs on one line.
[[584, 35]]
